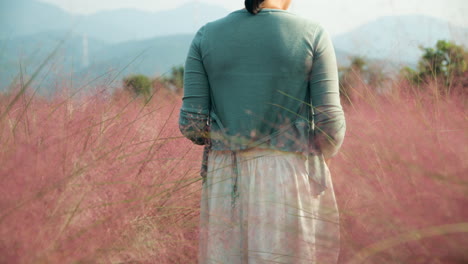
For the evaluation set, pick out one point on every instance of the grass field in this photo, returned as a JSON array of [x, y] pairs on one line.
[[105, 178]]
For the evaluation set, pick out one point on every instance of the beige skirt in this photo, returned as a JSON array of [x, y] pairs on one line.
[[257, 207]]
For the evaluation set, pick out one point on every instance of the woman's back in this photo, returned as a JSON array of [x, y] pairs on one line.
[[262, 71]]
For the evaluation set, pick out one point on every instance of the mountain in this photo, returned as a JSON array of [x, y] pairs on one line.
[[29, 52], [109, 45], [99, 61], [396, 38], [26, 17], [152, 57], [99, 44], [34, 48], [137, 25]]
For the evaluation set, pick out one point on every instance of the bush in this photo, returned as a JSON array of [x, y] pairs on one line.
[[138, 85], [357, 76], [175, 81]]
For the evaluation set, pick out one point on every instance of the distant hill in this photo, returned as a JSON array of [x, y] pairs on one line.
[[33, 48], [137, 25], [113, 44], [26, 17], [152, 57], [28, 52], [101, 42], [396, 38]]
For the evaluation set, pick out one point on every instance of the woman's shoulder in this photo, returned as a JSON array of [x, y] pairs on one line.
[[287, 17]]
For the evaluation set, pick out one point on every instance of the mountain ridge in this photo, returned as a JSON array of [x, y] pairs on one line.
[[391, 40], [20, 18], [408, 32]]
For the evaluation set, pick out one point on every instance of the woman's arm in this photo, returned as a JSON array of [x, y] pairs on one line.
[[196, 100], [329, 120]]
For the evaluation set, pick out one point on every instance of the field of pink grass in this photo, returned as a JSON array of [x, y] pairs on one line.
[[105, 178], [401, 178]]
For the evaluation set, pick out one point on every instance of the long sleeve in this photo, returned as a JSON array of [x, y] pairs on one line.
[[329, 119], [196, 100]]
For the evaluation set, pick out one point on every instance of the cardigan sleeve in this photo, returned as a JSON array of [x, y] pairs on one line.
[[194, 112], [329, 119]]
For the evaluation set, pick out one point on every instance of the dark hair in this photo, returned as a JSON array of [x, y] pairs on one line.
[[253, 6]]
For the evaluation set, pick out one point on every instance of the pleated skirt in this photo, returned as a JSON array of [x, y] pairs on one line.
[[257, 207]]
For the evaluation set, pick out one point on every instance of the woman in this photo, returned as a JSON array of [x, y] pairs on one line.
[[261, 94]]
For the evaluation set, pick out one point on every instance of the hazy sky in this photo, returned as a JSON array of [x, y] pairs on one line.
[[337, 15]]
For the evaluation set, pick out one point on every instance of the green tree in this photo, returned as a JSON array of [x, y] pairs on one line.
[[445, 62], [138, 85]]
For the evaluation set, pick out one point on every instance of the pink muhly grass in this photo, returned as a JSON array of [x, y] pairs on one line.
[[401, 178], [109, 179], [96, 179]]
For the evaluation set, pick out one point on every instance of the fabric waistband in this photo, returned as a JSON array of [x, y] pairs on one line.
[[255, 152]]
